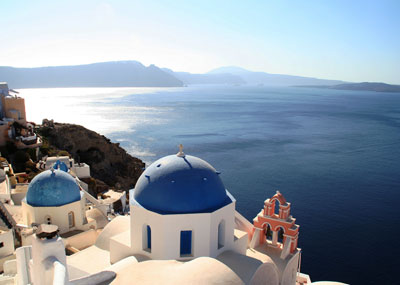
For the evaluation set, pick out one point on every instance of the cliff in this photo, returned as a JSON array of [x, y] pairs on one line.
[[104, 74], [108, 162], [193, 78]]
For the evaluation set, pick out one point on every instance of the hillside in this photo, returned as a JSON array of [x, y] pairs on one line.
[[255, 78], [363, 86], [108, 162], [196, 78], [135, 74], [106, 74]]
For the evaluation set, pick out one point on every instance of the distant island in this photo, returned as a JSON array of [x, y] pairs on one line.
[[135, 74], [363, 86], [104, 74], [270, 79]]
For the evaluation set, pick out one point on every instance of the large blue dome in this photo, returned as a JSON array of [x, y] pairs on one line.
[[180, 184], [52, 188]]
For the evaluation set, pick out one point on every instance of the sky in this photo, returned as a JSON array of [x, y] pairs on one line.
[[346, 40]]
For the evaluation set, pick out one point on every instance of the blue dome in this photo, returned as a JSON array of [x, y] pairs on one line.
[[52, 188], [60, 165], [177, 185]]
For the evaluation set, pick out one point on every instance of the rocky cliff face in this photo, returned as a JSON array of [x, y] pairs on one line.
[[108, 161]]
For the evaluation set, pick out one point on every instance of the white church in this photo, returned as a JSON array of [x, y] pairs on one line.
[[182, 229]]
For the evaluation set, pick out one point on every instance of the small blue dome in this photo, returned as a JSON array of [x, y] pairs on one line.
[[178, 185], [52, 189], [60, 165]]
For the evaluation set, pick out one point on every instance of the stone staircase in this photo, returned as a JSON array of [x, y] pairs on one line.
[[6, 220]]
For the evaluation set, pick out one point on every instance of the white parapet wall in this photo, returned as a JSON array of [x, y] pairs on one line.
[[82, 170], [53, 159]]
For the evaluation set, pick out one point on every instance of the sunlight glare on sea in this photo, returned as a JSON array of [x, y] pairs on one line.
[[86, 106]]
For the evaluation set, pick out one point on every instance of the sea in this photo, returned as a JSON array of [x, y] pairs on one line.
[[334, 154]]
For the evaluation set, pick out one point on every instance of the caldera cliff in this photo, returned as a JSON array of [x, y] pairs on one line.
[[109, 163]]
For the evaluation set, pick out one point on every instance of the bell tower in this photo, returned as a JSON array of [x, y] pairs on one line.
[[274, 222]]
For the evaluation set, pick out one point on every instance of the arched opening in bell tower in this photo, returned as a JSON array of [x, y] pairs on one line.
[[280, 232], [268, 232]]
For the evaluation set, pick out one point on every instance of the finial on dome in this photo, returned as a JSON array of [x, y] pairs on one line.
[[180, 153]]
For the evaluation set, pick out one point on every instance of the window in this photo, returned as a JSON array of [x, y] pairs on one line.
[[146, 238], [149, 237], [280, 232], [186, 243], [1, 244], [71, 219], [221, 234], [277, 207]]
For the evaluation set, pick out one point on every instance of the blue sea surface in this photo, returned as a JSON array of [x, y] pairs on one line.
[[334, 155]]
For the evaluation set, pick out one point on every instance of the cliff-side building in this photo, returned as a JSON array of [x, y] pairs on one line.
[[54, 196], [13, 124], [183, 228]]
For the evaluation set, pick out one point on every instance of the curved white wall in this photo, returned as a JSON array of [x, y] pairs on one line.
[[166, 231], [58, 215]]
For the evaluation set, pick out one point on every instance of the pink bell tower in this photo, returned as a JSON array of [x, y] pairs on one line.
[[276, 221]]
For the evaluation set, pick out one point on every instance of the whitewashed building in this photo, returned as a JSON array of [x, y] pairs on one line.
[[54, 197], [183, 228]]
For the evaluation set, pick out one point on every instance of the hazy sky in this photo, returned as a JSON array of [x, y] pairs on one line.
[[348, 40]]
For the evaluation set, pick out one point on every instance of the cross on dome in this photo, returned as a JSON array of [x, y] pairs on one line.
[[180, 153]]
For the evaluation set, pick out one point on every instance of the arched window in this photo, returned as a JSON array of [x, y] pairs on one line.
[[280, 232], [277, 206], [268, 232], [147, 238], [71, 219], [221, 234]]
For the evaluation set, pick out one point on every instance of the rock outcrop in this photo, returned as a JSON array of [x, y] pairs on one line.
[[108, 161]]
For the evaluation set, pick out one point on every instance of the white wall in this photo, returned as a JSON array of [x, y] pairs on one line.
[[7, 238], [227, 214], [289, 274], [5, 191], [58, 215], [53, 159], [18, 197], [166, 231], [82, 240], [81, 170], [44, 253]]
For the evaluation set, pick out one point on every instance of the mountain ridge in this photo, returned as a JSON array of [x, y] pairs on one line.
[[259, 77], [362, 86], [102, 74], [130, 73]]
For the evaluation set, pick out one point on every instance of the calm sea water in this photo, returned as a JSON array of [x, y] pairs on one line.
[[334, 155]]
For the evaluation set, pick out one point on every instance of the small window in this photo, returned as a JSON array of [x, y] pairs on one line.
[[71, 219], [221, 234], [1, 244], [147, 238], [186, 243]]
